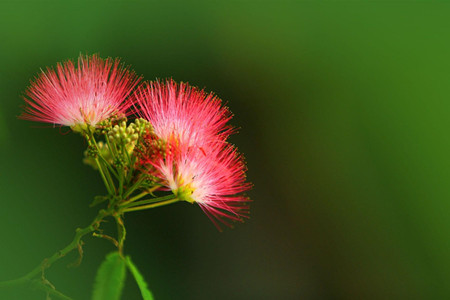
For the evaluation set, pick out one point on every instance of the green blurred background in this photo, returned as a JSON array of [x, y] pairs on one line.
[[344, 115]]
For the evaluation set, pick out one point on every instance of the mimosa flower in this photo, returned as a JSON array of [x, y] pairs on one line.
[[179, 111], [187, 152], [82, 94], [213, 178]]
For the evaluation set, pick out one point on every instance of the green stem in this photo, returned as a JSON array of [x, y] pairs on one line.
[[150, 205], [133, 187], [137, 197], [105, 181], [46, 263], [131, 169], [109, 183], [34, 284], [37, 284], [148, 201], [107, 164], [104, 170], [112, 153], [111, 150], [13, 283], [121, 233], [121, 178], [112, 147]]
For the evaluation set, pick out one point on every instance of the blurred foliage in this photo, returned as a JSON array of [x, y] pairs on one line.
[[343, 109]]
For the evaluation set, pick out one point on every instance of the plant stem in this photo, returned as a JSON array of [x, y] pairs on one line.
[[34, 284], [137, 197], [129, 204], [13, 282], [104, 172], [79, 233], [133, 187], [121, 181], [121, 233], [37, 284], [105, 181], [151, 205], [108, 165]]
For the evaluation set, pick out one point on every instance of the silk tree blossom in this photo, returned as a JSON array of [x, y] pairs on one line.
[[82, 94], [187, 150], [177, 151], [186, 113], [214, 178]]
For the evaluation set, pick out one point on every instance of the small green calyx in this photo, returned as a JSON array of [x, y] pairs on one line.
[[80, 127], [185, 194]]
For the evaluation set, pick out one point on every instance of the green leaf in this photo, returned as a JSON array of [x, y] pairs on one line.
[[145, 292], [110, 278]]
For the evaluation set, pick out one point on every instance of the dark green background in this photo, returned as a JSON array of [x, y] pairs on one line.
[[344, 115]]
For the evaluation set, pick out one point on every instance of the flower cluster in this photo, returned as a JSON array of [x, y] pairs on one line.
[[177, 143], [198, 165]]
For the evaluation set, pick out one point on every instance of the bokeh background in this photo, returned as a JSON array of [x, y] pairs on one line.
[[344, 115]]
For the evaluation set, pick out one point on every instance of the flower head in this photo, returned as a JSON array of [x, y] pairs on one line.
[[214, 179], [185, 113], [82, 94]]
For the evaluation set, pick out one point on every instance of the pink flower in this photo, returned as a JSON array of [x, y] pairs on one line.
[[190, 115], [85, 94], [195, 163], [214, 179]]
